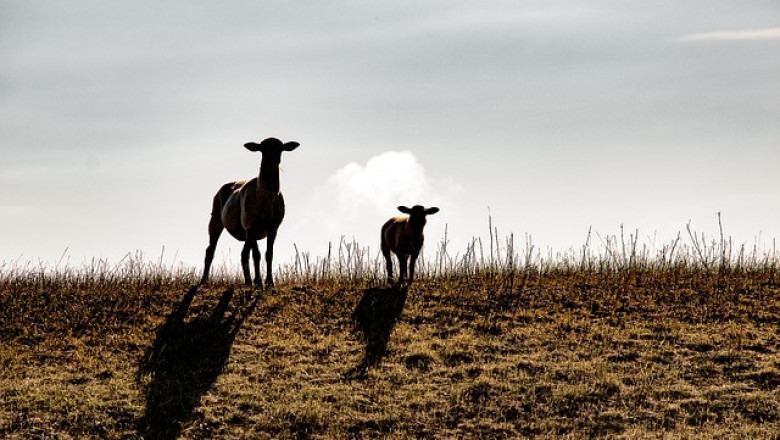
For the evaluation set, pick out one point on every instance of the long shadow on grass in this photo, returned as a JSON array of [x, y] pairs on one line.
[[186, 358], [375, 316]]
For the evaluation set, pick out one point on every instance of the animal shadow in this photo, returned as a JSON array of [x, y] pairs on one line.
[[185, 360], [375, 316]]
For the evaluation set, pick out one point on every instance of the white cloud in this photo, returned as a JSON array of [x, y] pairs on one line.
[[748, 34], [387, 180], [356, 199], [383, 183]]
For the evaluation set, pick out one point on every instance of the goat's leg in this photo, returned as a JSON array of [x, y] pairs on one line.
[[215, 230], [388, 264], [411, 268], [245, 261], [256, 264], [402, 263], [269, 258]]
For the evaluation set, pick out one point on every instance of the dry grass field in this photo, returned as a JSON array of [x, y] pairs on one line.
[[682, 343]]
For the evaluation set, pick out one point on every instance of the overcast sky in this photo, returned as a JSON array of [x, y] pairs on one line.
[[120, 120]]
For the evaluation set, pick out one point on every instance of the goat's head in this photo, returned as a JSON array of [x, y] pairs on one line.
[[272, 149], [417, 214]]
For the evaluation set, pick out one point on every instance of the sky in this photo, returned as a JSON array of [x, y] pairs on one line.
[[120, 120]]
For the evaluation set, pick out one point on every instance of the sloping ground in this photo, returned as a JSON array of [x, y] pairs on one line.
[[564, 356]]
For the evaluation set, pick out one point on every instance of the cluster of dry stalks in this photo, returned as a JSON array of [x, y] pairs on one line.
[[499, 265], [502, 268]]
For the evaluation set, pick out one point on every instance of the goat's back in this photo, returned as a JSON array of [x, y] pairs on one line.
[[396, 237]]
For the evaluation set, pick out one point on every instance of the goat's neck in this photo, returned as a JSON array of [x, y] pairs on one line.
[[268, 180], [414, 231]]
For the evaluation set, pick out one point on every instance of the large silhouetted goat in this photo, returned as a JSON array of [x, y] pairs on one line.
[[251, 210]]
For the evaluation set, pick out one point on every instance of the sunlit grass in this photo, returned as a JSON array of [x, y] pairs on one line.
[[497, 340]]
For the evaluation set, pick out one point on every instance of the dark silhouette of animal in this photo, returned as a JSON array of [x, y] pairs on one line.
[[251, 210], [403, 236]]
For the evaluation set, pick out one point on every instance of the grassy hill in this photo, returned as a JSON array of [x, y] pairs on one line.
[[640, 349]]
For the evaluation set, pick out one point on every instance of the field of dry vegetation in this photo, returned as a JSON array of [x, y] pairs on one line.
[[616, 341]]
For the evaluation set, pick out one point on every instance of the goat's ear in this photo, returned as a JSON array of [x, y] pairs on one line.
[[404, 209], [430, 211], [289, 146], [252, 146]]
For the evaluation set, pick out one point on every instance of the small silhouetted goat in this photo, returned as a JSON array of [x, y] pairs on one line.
[[403, 236]]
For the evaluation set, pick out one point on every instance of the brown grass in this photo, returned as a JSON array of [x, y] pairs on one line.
[[586, 348]]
